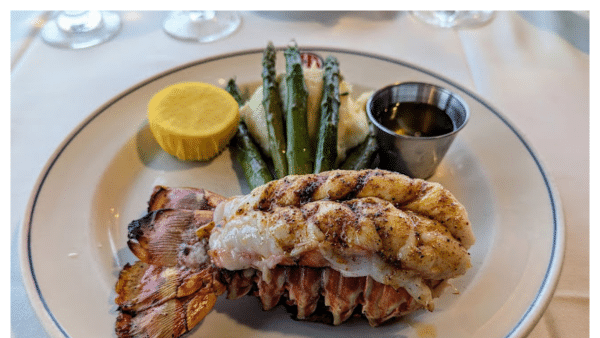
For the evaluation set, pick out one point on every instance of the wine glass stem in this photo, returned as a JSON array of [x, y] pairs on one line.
[[201, 15], [79, 21]]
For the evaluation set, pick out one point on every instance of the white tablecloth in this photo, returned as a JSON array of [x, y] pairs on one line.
[[533, 67]]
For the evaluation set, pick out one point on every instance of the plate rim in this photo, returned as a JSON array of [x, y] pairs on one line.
[[521, 328]]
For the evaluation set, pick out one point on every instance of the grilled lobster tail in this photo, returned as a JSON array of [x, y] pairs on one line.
[[327, 246]]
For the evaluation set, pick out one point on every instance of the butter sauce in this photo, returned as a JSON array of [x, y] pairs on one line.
[[417, 119]]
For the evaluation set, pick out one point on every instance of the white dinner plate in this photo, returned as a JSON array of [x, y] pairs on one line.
[[100, 178]]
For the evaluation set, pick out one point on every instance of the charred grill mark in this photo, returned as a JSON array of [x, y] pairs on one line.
[[411, 188], [362, 179], [273, 192], [335, 186], [305, 194], [266, 199], [412, 192]]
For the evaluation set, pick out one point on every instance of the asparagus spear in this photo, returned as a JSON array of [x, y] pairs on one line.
[[273, 115], [254, 167], [362, 156], [247, 153], [234, 90], [326, 153], [298, 150]]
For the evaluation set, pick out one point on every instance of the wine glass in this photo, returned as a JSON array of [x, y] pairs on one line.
[[80, 29], [201, 26], [458, 19]]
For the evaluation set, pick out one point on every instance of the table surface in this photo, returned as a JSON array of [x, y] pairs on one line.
[[533, 67]]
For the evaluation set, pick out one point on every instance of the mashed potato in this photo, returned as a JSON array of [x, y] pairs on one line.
[[353, 126]]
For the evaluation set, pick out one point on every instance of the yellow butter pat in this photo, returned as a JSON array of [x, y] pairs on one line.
[[193, 120]]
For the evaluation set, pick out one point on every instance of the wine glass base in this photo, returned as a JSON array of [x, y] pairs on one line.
[[53, 35], [183, 25], [457, 19]]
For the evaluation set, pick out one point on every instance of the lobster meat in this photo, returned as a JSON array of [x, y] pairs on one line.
[[327, 246]]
